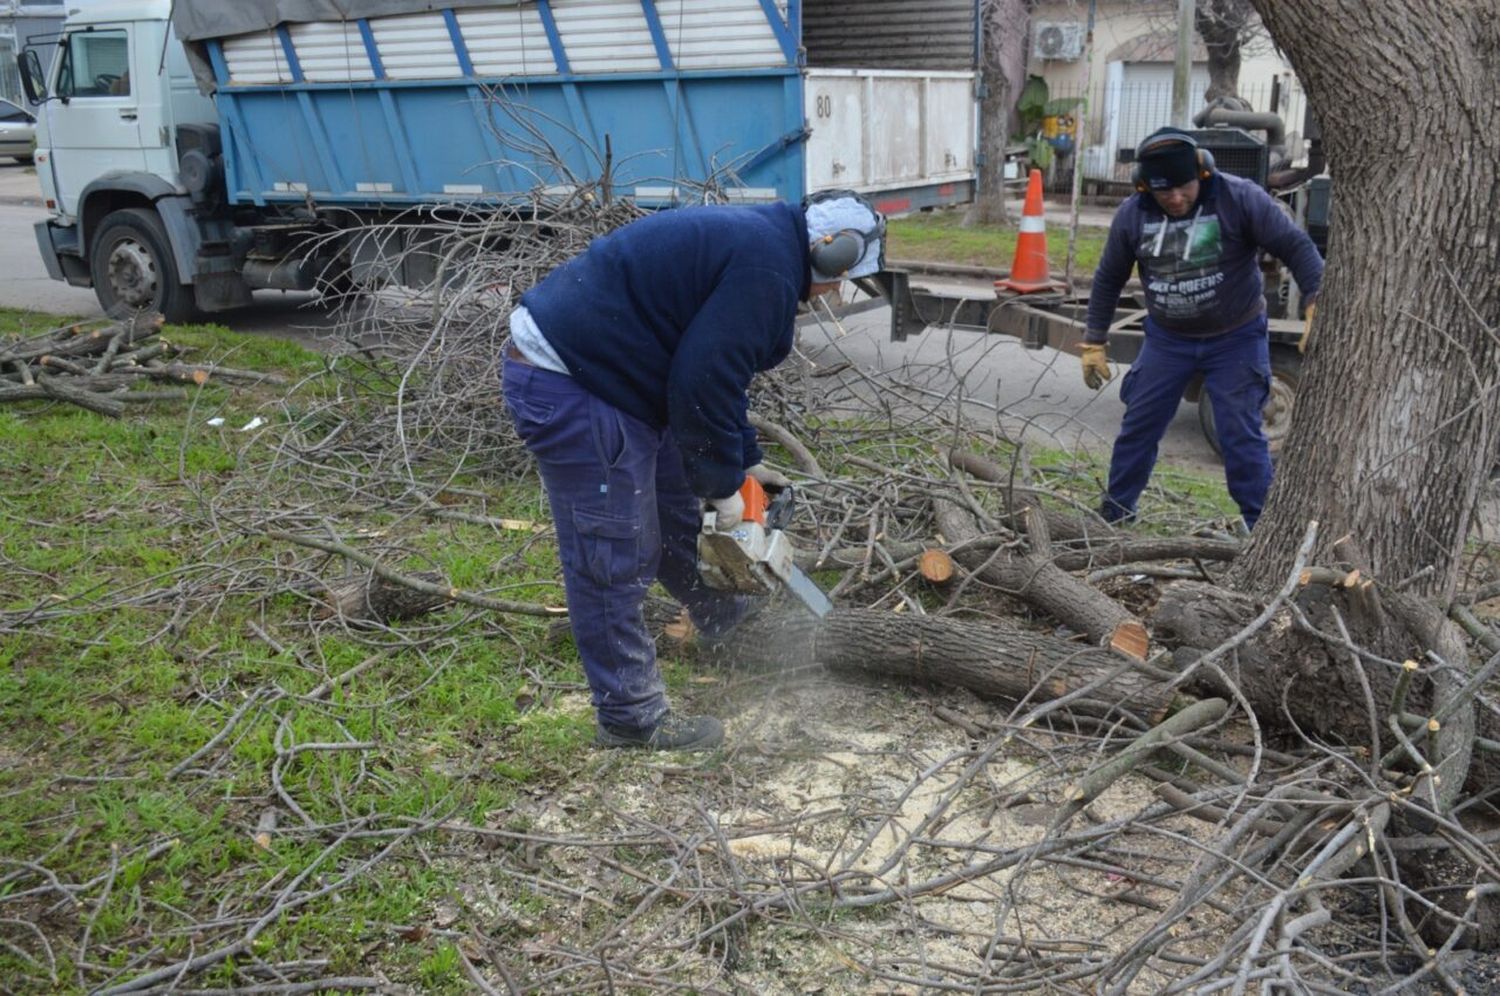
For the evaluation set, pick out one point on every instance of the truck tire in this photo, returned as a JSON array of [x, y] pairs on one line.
[[133, 268], [1286, 375]]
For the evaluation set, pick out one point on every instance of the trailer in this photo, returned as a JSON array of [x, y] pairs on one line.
[[923, 299], [192, 152]]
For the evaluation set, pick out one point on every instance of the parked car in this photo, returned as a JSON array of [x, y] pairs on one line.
[[17, 133]]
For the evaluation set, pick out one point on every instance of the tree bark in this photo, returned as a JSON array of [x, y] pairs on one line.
[[989, 659], [1323, 688], [1003, 65], [1398, 416]]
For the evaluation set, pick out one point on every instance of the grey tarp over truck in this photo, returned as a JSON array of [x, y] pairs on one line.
[[197, 19]]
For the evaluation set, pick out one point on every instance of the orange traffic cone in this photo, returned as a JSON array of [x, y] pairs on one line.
[[1030, 272]]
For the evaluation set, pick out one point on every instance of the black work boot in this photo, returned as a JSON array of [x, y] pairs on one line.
[[671, 732]]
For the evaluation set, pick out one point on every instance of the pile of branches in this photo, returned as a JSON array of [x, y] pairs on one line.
[[952, 561], [102, 367]]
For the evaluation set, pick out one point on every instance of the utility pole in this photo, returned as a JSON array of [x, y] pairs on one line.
[[1182, 75], [1080, 142]]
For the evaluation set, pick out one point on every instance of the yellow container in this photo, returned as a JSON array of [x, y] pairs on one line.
[[1054, 125]]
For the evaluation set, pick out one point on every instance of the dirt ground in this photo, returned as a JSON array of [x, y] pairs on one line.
[[836, 777]]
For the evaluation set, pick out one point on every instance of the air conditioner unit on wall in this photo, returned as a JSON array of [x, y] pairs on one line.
[[1062, 40]]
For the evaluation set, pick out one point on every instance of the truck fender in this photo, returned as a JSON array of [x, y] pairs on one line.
[[104, 195]]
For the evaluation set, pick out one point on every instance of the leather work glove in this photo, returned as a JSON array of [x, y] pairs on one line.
[[1307, 327], [1095, 365], [771, 480], [730, 509]]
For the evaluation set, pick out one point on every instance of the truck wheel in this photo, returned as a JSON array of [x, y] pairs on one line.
[[1286, 374], [133, 268]]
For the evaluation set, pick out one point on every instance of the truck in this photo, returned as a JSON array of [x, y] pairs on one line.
[[190, 153], [1245, 144]]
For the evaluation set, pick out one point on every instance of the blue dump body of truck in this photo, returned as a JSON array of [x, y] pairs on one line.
[[499, 101]]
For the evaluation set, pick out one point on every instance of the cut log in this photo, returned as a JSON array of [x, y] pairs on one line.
[[936, 566], [1131, 639], [1036, 580], [372, 598], [989, 659]]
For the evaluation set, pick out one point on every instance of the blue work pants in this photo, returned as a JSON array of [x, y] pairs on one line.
[[1236, 369], [624, 517]]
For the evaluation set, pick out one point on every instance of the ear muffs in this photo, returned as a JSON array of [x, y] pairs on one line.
[[836, 253], [1206, 165]]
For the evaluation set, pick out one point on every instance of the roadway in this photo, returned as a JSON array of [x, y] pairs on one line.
[[1036, 394]]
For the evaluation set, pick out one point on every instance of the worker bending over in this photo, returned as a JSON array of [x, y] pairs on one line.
[[627, 376]]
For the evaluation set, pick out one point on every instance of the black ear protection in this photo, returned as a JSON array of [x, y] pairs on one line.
[[1167, 136], [836, 253]]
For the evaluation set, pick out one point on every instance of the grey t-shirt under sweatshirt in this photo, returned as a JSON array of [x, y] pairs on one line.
[[1201, 272]]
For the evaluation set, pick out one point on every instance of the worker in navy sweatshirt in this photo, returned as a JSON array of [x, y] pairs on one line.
[[1197, 235], [627, 376]]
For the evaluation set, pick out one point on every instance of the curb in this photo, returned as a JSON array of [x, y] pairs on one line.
[[20, 200]]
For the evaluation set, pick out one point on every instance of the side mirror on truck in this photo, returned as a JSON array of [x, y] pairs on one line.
[[33, 79]]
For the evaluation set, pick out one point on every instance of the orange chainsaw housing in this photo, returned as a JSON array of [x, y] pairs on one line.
[[756, 500]]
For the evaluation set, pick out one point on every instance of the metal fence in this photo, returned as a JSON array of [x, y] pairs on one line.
[[1119, 115]]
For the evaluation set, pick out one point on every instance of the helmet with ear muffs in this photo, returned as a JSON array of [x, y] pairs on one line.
[[834, 251]]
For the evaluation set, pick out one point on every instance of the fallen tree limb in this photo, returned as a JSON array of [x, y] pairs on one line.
[[1041, 583], [413, 582], [1060, 525], [988, 659]]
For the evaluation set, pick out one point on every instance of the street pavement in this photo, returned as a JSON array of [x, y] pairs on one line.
[[1037, 395], [26, 286]]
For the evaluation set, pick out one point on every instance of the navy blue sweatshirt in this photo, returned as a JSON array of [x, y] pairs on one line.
[[670, 317], [1202, 274]]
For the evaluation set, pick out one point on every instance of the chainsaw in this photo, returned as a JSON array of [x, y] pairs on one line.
[[755, 556]]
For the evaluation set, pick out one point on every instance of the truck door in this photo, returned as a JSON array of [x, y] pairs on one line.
[[96, 130]]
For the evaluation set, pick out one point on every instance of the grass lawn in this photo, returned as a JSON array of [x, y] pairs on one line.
[[111, 685], [941, 236], [221, 775]]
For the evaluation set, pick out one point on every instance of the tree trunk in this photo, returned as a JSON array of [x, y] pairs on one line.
[[1398, 415], [1322, 688], [1003, 65], [1222, 24], [989, 659]]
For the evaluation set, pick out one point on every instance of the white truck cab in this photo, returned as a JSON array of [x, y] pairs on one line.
[[119, 89]]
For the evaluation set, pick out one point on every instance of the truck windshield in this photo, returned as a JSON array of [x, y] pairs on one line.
[[95, 64]]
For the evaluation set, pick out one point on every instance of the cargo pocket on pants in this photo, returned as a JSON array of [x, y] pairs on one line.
[[610, 548]]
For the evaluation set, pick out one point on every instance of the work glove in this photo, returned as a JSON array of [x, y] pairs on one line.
[[771, 480], [1095, 365], [730, 509], [1307, 327]]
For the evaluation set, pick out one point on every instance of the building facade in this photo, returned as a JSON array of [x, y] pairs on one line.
[[27, 24], [1129, 77]]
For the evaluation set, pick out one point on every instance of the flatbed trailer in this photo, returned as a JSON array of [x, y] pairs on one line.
[[966, 298]]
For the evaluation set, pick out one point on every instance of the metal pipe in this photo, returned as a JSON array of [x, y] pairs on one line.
[[1271, 124]]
